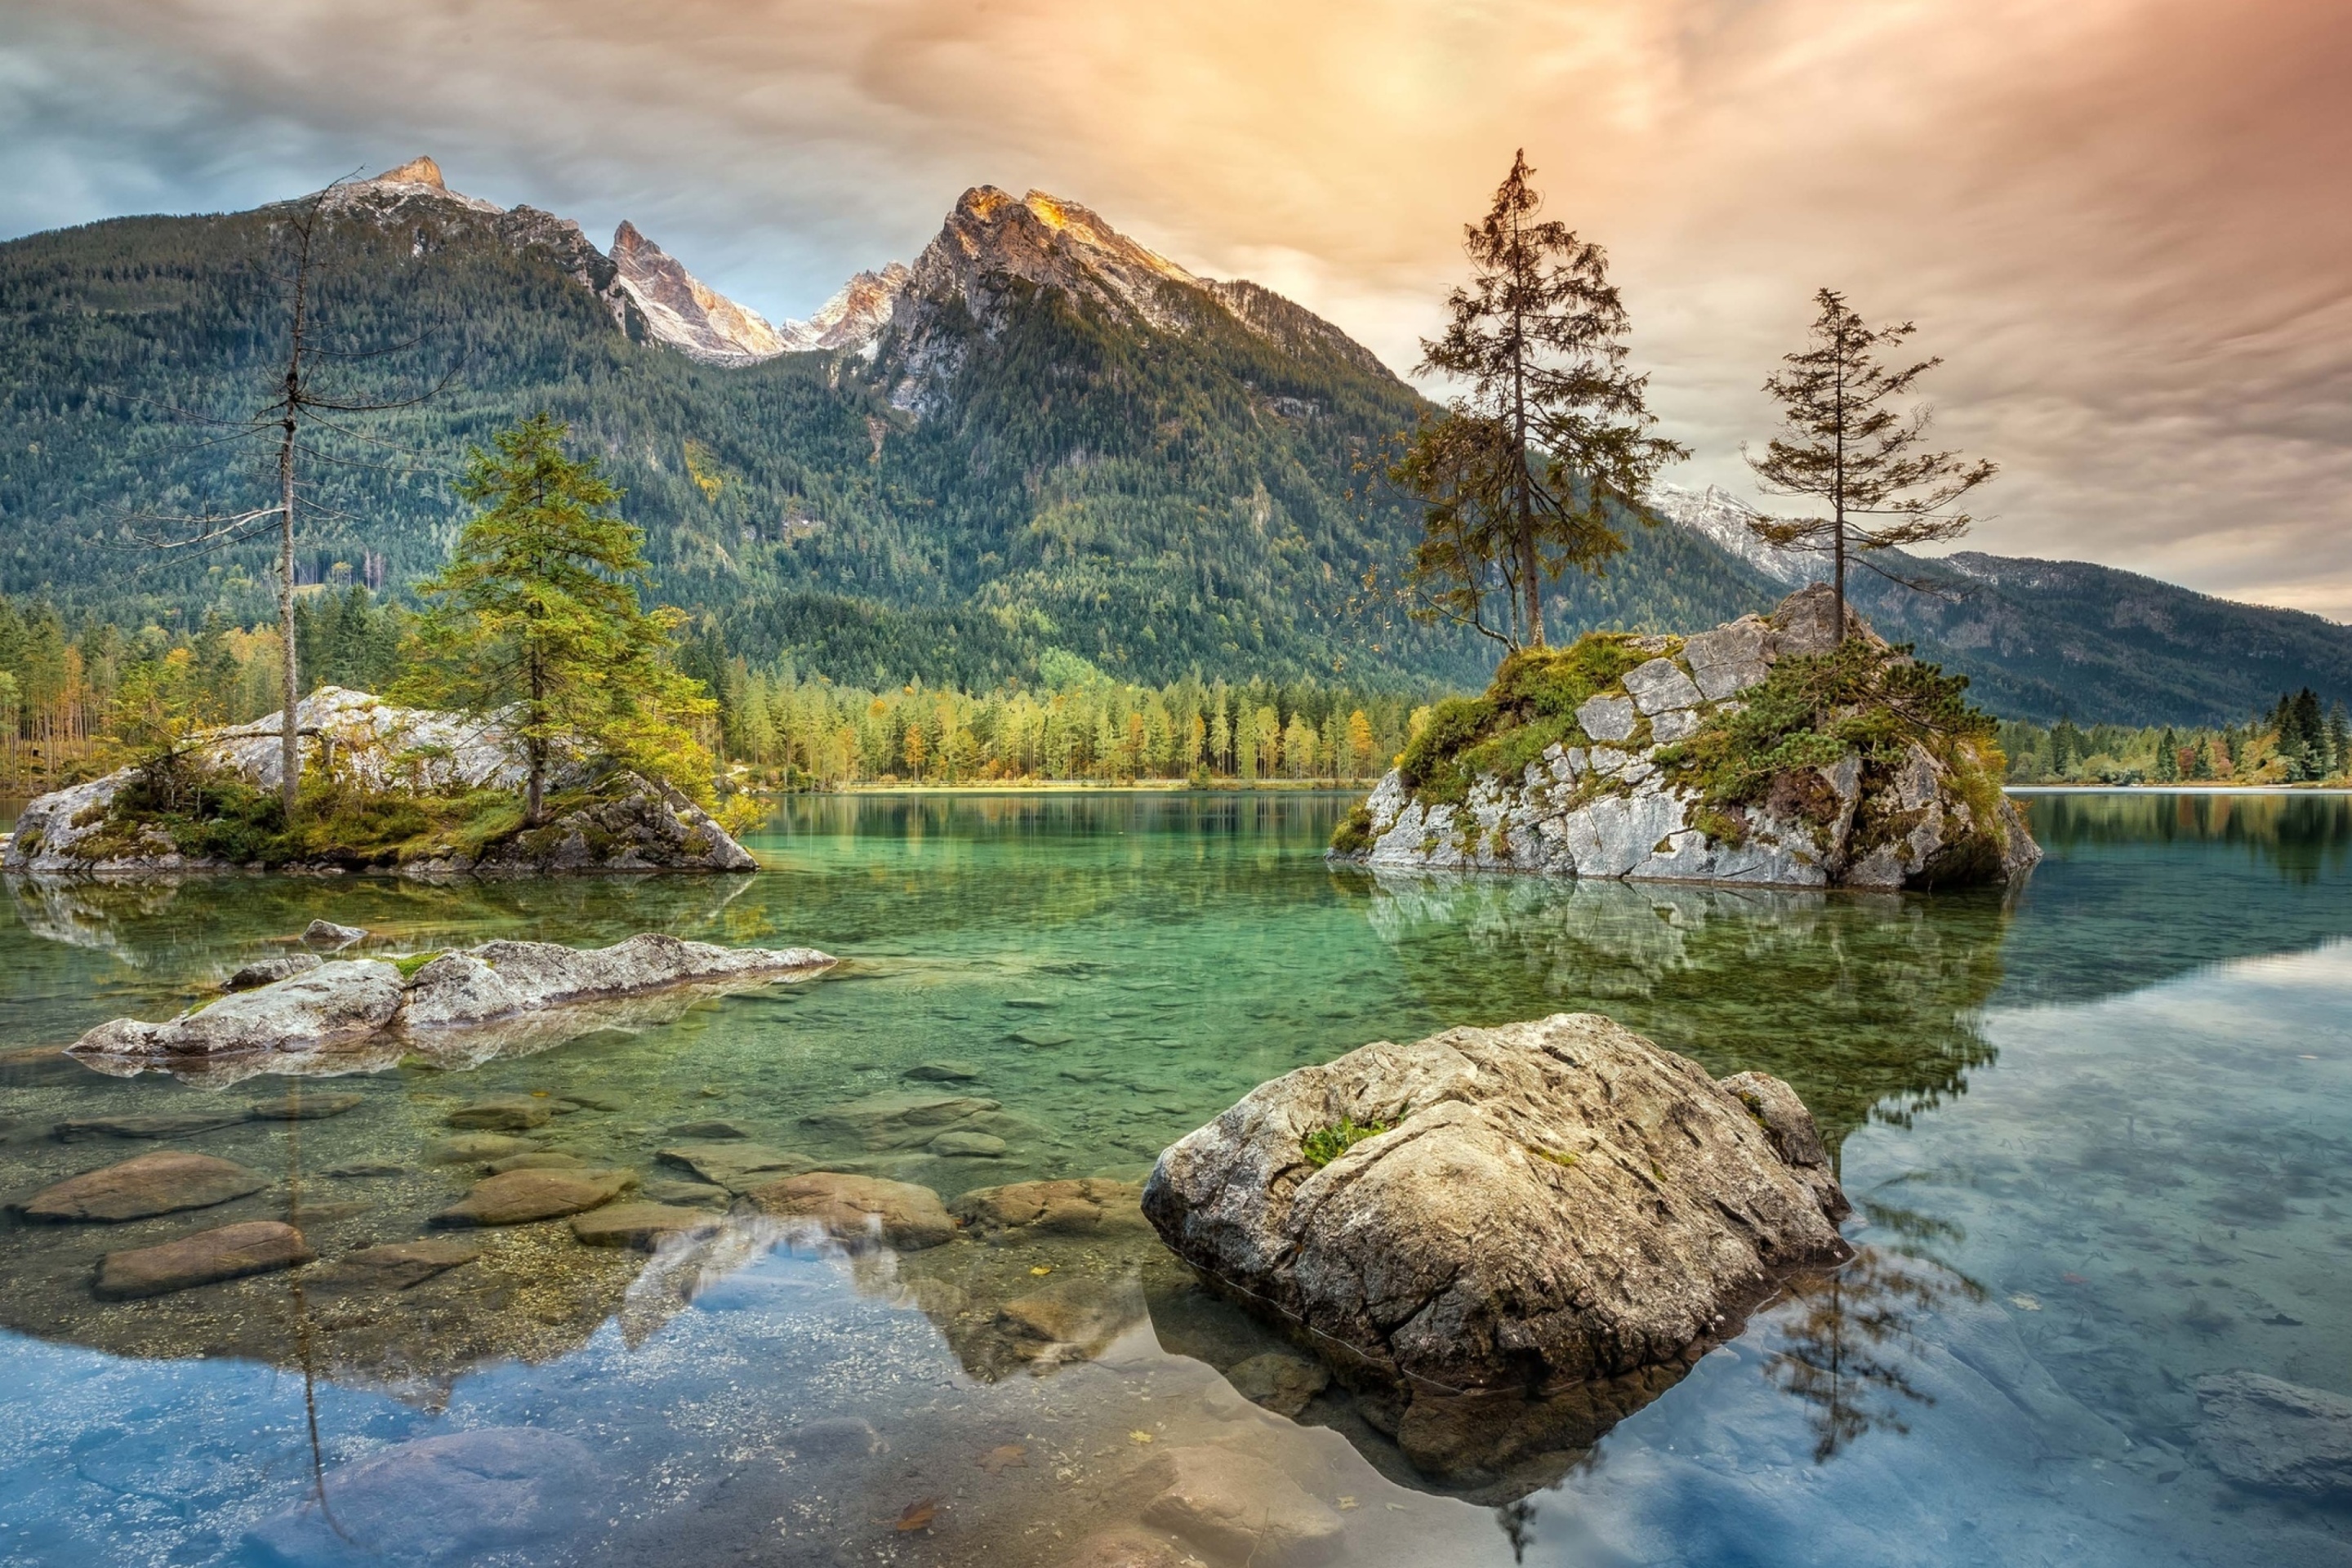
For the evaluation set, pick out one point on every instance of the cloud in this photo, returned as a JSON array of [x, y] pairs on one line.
[[2120, 221]]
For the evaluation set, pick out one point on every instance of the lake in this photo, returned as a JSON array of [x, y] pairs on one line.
[[2098, 1135]]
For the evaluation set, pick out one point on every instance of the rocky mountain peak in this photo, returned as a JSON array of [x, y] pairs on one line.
[[1040, 239], [415, 171], [680, 310], [1722, 518]]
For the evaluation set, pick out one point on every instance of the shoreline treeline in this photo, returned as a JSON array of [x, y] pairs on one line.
[[2296, 741]]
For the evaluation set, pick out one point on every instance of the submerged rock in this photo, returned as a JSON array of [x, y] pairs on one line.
[[163, 1182], [231, 1252], [643, 1225], [299, 1106], [738, 1167], [503, 1113], [394, 1266], [156, 1124], [518, 1197], [348, 1005], [1619, 794], [1236, 1507], [328, 935], [884, 1121], [1526, 1212], [1088, 1205], [1282, 1383], [2266, 1433], [860, 1211]]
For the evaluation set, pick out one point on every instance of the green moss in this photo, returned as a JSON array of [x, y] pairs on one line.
[[409, 964], [1529, 708], [1354, 834], [1565, 1162], [1326, 1144]]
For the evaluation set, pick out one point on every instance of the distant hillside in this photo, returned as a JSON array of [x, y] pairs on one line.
[[2043, 640]]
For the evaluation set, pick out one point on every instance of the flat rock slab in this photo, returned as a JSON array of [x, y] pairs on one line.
[[738, 1167], [2266, 1433], [1042, 1038], [968, 1146], [395, 1266], [503, 1113], [1087, 1206], [642, 1225], [1236, 1506], [231, 1252], [704, 1193], [883, 1121], [159, 1124], [943, 1072], [163, 1182], [518, 1197], [332, 1004], [860, 1210], [297, 1106], [364, 1170], [443, 1502]]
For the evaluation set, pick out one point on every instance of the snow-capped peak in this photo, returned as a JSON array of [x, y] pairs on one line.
[[855, 316], [697, 321], [1718, 515]]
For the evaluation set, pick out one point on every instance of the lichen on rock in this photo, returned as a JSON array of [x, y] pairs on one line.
[[1766, 750]]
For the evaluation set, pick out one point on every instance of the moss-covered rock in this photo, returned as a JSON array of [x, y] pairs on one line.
[[1769, 749]]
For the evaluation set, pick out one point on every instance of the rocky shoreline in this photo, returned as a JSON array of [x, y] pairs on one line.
[[605, 819], [1870, 796]]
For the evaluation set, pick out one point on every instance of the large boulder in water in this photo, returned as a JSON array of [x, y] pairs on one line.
[[1547, 1223]]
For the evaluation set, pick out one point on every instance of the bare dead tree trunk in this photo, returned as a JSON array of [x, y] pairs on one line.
[[289, 740]]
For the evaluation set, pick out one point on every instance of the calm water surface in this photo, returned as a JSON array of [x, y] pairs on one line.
[[2099, 1137]]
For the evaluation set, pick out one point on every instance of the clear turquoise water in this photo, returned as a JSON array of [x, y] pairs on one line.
[[2098, 1134]]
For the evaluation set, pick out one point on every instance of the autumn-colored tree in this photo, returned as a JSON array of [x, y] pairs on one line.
[[537, 616], [1845, 444]]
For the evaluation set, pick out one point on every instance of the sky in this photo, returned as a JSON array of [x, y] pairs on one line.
[[2125, 225]]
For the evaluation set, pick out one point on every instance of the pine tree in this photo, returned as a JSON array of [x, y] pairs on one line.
[[1843, 443], [1519, 475], [2167, 757], [538, 608], [2339, 740]]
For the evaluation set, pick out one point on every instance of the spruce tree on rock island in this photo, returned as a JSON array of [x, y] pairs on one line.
[[1551, 432], [1843, 444], [537, 614]]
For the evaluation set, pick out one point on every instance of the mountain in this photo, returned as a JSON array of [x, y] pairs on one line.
[[2050, 639], [1038, 434], [680, 311]]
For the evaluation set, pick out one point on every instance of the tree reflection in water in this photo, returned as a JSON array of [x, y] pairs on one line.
[[1847, 1337]]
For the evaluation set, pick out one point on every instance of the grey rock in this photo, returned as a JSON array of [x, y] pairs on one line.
[[943, 1072], [1607, 717], [270, 971], [328, 935], [336, 1004], [455, 990], [164, 1181], [439, 1501], [543, 974], [1673, 724], [231, 1252], [662, 1192], [1239, 1507], [363, 1169], [1555, 1203], [1282, 1383], [1730, 659], [2266, 1433], [1658, 685]]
